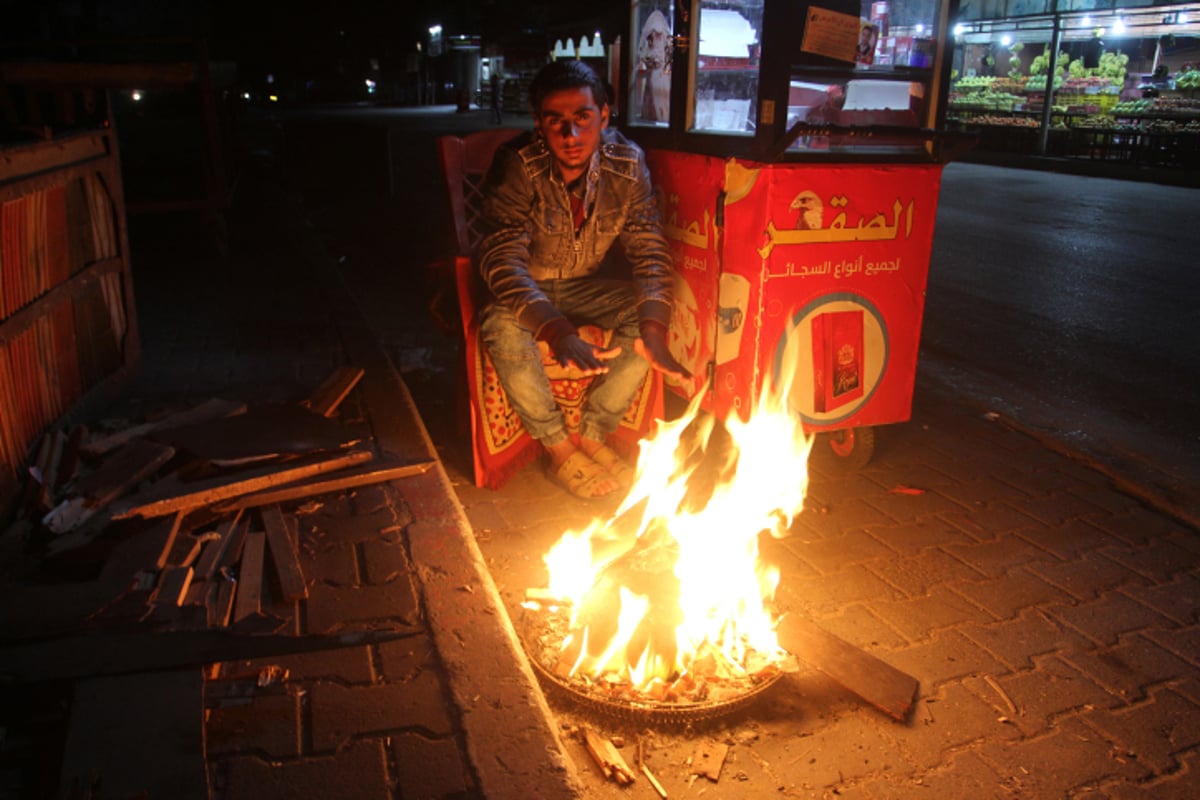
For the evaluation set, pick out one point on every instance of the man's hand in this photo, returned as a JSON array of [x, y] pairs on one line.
[[652, 346], [571, 351]]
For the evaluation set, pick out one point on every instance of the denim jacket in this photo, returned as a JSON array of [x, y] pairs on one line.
[[529, 234]]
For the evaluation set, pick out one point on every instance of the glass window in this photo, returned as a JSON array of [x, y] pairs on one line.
[[650, 75], [727, 61], [871, 72]]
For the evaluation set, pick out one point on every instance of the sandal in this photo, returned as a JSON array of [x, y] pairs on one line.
[[618, 467], [580, 476]]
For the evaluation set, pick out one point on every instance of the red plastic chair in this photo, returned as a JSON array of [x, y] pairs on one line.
[[499, 442]]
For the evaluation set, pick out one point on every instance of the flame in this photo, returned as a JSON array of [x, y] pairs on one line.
[[671, 585]]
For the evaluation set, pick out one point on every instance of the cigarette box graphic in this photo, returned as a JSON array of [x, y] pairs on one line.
[[837, 344]]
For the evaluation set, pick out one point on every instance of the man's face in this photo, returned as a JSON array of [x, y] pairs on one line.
[[571, 123]]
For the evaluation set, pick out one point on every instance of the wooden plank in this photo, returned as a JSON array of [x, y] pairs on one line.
[[374, 472], [326, 398], [875, 681], [250, 576], [220, 608], [125, 469], [210, 558], [164, 555], [283, 554], [214, 408], [174, 496], [173, 585], [607, 758]]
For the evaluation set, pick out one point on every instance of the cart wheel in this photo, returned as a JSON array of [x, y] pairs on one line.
[[853, 447]]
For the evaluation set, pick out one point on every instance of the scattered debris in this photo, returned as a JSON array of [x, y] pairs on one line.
[[658, 787], [709, 759], [607, 758], [992, 682], [902, 489]]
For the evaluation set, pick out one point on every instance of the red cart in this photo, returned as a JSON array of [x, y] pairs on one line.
[[797, 151]]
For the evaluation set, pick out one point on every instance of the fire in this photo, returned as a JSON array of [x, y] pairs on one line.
[[671, 586]]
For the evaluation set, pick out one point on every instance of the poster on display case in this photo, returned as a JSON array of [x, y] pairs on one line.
[[830, 259]]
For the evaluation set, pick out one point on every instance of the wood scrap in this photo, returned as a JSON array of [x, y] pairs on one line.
[[164, 555], [607, 758], [68, 465], [171, 495], [249, 593], [658, 787], [173, 585], [875, 681], [283, 554], [210, 559], [326, 398], [198, 543], [709, 759], [263, 432], [220, 603], [118, 475], [209, 409], [374, 472]]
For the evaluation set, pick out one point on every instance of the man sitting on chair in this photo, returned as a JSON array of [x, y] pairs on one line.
[[555, 201]]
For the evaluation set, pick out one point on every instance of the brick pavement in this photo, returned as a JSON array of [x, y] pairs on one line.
[[1051, 620]]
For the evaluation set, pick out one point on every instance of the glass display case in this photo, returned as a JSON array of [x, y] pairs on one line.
[[796, 151], [775, 79]]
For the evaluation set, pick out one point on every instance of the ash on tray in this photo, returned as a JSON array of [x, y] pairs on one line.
[[709, 690]]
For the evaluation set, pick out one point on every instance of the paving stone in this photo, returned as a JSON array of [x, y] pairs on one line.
[[838, 485], [1058, 508], [1088, 577], [837, 552], [1178, 599], [1160, 560], [947, 720], [383, 606], [961, 775], [1070, 756], [916, 575], [906, 508], [845, 750], [345, 664], [384, 561], [912, 538], [1131, 667], [980, 490], [949, 655], [1109, 616], [1152, 731], [991, 520], [1051, 688], [327, 561], [1184, 642], [343, 713], [1008, 595], [269, 725], [402, 659], [918, 617], [1069, 539], [359, 772], [851, 513], [995, 557], [857, 625], [430, 768], [1141, 525], [1017, 641], [486, 516], [828, 594], [351, 529]]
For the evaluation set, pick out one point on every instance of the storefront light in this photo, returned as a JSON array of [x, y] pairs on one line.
[[1005, 40], [960, 29], [1118, 27], [1086, 22]]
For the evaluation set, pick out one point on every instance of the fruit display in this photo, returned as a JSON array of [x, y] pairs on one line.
[[992, 101], [1188, 80]]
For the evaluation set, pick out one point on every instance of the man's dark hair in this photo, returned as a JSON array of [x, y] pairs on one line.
[[567, 73]]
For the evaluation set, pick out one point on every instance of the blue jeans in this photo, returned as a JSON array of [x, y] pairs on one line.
[[610, 304]]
